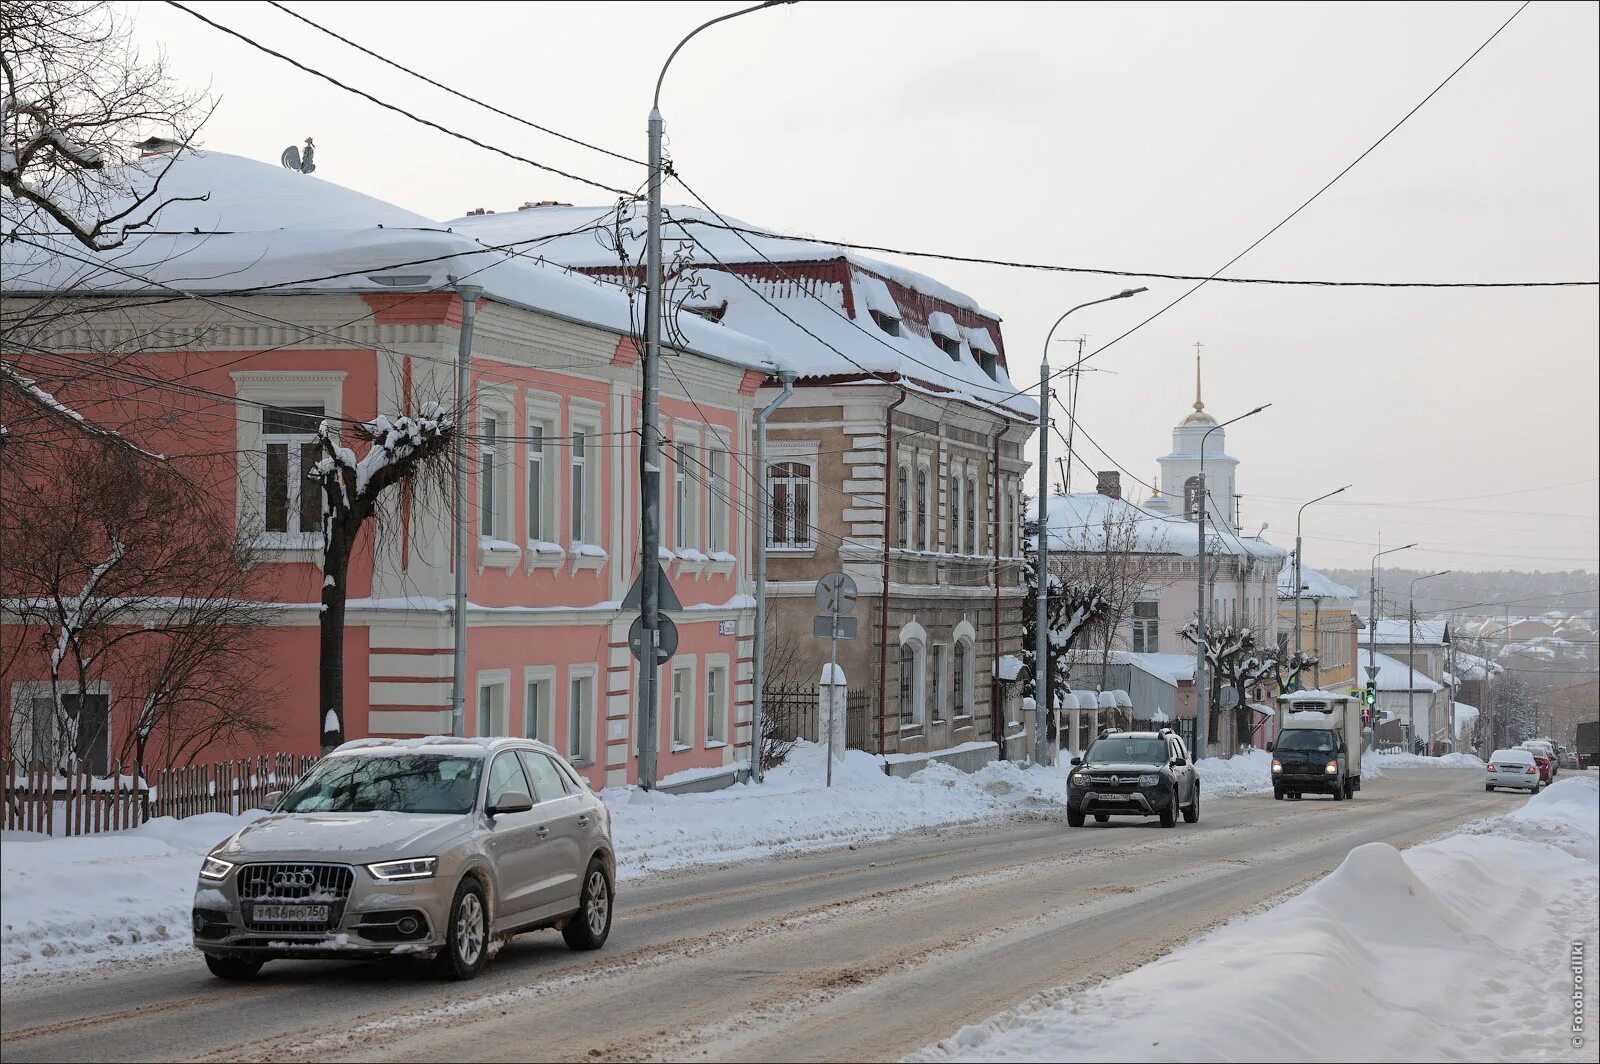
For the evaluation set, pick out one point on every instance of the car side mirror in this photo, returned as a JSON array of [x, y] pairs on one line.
[[510, 802], [271, 800], [1270, 746], [1076, 761], [1179, 762]]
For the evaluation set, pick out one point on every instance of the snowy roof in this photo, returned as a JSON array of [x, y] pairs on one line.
[[813, 328], [1168, 668], [1078, 522], [1395, 675], [1397, 632], [261, 226], [1313, 584]]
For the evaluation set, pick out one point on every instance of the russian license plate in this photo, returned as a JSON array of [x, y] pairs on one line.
[[292, 914], [1113, 797]]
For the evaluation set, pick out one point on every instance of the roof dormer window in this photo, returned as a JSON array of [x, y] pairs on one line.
[[983, 349], [886, 323], [873, 294], [945, 333]]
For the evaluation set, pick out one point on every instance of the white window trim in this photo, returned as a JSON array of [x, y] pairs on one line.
[[490, 678], [688, 556], [724, 710], [289, 388], [682, 664], [545, 674], [499, 549], [904, 503], [542, 547], [589, 736], [965, 635], [806, 451], [939, 660], [584, 416], [914, 635], [923, 474]]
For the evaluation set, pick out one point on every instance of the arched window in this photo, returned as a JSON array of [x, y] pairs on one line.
[[1191, 498], [961, 688], [902, 497], [952, 505], [922, 510], [969, 537], [913, 675]]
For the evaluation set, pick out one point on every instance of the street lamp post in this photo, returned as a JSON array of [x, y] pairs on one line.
[[1299, 587], [1041, 640], [650, 435], [1201, 501], [1372, 617], [1411, 656]]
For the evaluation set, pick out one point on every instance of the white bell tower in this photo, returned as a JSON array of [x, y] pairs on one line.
[[1180, 470]]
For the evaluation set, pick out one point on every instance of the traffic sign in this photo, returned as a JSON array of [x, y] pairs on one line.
[[667, 635], [836, 590], [830, 627], [666, 598], [1372, 671]]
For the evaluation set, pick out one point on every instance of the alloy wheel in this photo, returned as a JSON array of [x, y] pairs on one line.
[[598, 910], [469, 929]]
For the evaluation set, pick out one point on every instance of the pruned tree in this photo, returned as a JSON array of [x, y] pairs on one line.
[[785, 671], [1290, 666], [122, 577], [1237, 657], [76, 97], [1072, 609], [399, 451]]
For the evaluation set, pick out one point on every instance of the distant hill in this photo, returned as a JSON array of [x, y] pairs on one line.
[[1480, 593]]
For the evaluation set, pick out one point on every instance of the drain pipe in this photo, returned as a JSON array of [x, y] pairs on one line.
[[470, 294], [997, 717], [758, 668], [883, 636]]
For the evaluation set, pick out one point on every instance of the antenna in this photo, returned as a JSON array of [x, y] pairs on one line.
[[292, 159]]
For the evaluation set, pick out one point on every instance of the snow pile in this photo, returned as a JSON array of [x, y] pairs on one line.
[[1400, 759], [1247, 773], [1458, 949], [78, 899], [793, 810]]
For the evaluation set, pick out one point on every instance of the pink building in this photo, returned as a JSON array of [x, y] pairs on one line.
[[318, 302]]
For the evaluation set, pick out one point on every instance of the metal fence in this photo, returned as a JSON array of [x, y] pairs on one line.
[[791, 710], [71, 800]]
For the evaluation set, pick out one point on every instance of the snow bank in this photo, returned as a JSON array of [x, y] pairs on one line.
[[1404, 760], [1458, 949], [77, 900], [793, 811]]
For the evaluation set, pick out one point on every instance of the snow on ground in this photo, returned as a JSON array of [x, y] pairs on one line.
[[1457, 950], [1404, 760], [793, 811]]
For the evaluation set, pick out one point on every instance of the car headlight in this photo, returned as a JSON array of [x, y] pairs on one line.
[[1149, 780], [1079, 779], [412, 868], [1277, 766], [215, 868], [1332, 768]]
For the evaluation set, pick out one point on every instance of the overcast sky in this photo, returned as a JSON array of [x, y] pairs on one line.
[[1160, 137]]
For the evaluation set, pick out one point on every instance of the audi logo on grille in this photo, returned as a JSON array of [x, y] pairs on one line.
[[301, 878]]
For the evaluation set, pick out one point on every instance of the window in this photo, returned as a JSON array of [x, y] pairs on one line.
[[1016, 523], [941, 682], [536, 502], [1006, 502], [538, 709], [580, 718], [489, 478], [961, 677], [548, 781], [948, 346], [717, 486], [682, 708], [908, 684], [1191, 498], [922, 510], [716, 711], [789, 487], [580, 478], [80, 731], [888, 324], [506, 777], [292, 501], [969, 537], [686, 500], [952, 504], [902, 501], [1147, 627], [492, 709]]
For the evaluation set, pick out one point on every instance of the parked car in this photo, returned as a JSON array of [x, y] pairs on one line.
[[427, 847], [1513, 770], [1569, 759], [1125, 773], [1543, 748]]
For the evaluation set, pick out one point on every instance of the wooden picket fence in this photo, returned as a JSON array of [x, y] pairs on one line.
[[76, 802]]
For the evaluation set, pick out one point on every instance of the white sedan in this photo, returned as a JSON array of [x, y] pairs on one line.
[[1513, 770]]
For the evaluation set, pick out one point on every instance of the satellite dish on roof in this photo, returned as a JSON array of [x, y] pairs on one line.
[[292, 158]]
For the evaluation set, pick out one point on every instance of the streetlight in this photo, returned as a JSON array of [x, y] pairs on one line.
[[1041, 643], [1200, 600], [1411, 658], [1298, 586], [1372, 616], [649, 434]]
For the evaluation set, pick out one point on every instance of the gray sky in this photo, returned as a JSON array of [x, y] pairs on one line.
[[1160, 137]]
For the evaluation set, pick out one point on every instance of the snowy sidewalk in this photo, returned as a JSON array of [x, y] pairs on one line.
[[1454, 950]]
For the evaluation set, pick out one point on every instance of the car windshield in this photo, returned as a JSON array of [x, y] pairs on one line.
[[394, 783], [1517, 757], [1307, 739], [1121, 750]]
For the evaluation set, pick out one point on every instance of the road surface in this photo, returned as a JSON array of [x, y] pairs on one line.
[[863, 954]]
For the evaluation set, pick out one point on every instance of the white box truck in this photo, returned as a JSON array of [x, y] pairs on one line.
[[1318, 749]]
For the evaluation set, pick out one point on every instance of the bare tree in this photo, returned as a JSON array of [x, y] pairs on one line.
[[785, 672], [1237, 657], [119, 574], [1125, 559], [400, 451], [75, 98], [1073, 608]]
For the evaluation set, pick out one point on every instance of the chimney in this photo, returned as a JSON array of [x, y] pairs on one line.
[[1109, 484]]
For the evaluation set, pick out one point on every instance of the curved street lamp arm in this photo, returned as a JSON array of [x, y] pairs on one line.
[[656, 101]]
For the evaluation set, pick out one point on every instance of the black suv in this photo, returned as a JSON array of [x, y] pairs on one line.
[[1134, 774]]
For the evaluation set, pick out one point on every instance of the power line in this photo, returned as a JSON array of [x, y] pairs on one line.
[[393, 107], [460, 95], [1137, 274]]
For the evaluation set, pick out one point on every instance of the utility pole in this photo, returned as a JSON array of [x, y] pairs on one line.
[[470, 294], [1411, 659], [1299, 585], [1041, 633], [758, 666], [1372, 624]]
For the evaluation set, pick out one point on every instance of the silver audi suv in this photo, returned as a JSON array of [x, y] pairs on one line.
[[426, 847]]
